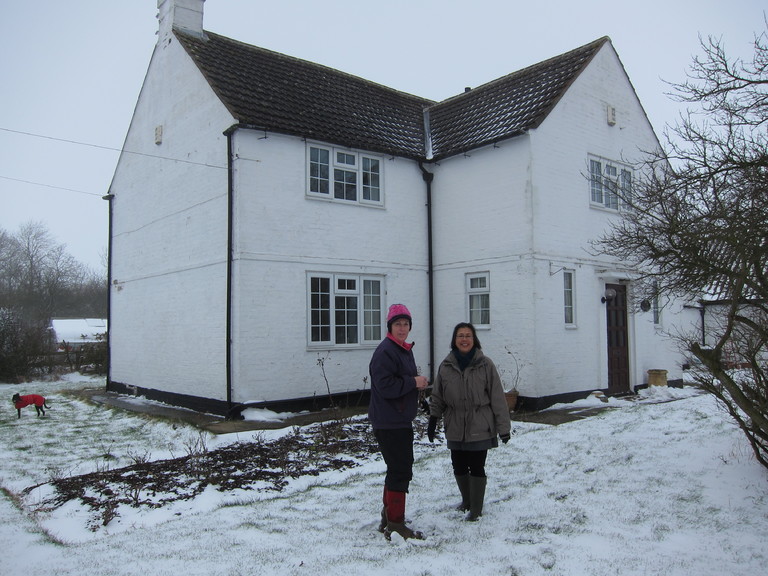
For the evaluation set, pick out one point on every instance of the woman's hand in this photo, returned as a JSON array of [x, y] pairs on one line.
[[431, 428]]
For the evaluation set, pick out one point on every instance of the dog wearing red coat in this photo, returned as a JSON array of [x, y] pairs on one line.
[[30, 400]]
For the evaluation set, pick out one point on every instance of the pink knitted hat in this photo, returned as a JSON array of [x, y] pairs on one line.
[[397, 311]]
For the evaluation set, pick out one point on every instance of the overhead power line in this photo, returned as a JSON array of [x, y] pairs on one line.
[[112, 149], [59, 139], [50, 186]]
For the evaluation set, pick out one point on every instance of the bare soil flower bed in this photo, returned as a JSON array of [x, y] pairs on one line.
[[255, 465]]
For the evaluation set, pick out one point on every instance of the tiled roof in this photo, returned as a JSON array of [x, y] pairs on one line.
[[508, 106], [277, 93]]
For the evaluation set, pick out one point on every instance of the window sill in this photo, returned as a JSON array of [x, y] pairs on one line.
[[324, 198], [341, 347]]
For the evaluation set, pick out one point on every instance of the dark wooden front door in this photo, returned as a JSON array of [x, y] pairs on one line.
[[618, 346]]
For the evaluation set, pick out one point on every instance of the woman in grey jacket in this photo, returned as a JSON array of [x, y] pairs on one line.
[[468, 395]]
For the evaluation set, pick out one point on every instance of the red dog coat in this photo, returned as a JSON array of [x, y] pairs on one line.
[[29, 400]]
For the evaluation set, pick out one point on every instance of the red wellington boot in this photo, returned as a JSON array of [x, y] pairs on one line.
[[395, 512], [383, 523]]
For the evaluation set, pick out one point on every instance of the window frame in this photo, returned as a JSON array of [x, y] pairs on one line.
[[569, 298], [318, 171], [655, 305], [333, 180], [609, 185], [475, 291], [324, 320]]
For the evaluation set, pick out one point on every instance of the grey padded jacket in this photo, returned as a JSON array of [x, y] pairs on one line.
[[471, 403]]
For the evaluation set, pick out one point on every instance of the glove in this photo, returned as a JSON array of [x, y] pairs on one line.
[[431, 427], [504, 438]]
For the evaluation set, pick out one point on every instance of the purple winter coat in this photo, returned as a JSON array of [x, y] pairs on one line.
[[394, 396]]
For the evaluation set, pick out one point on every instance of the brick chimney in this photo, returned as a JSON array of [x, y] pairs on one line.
[[186, 15]]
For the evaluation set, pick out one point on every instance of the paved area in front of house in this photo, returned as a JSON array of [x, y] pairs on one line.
[[211, 422], [220, 425]]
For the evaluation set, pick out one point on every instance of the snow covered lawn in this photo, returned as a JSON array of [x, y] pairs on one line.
[[664, 484]]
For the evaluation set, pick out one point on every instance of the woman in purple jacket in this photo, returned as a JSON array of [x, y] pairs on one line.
[[395, 388]]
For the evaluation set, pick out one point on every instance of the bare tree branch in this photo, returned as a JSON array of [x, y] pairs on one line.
[[698, 227]]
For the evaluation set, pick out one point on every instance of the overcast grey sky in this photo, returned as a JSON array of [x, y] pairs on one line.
[[71, 71]]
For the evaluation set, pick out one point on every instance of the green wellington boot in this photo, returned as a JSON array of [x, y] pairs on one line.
[[463, 483], [476, 497]]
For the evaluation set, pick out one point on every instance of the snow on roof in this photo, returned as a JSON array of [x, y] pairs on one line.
[[78, 329]]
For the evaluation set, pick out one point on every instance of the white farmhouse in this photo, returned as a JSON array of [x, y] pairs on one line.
[[266, 211]]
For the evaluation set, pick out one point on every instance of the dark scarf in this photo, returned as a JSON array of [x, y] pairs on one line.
[[464, 359]]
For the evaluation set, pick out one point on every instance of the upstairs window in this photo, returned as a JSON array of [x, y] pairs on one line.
[[319, 170], [479, 299], [625, 188], [371, 179], [344, 175], [610, 184]]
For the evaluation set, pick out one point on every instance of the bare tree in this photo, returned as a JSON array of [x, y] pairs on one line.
[[698, 225], [5, 263], [40, 280]]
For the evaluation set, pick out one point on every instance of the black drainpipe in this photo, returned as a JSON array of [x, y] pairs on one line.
[[230, 249], [109, 197], [428, 177]]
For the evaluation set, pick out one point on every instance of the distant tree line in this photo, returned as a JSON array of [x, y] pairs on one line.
[[40, 280]]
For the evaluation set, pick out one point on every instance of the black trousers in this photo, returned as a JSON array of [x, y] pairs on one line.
[[396, 446], [470, 462]]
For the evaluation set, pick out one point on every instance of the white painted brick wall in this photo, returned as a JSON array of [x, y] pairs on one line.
[[527, 202], [282, 234], [169, 236]]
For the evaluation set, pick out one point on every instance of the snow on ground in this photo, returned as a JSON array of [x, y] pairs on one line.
[[664, 484]]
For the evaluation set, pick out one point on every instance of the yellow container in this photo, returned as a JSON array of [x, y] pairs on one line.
[[657, 377]]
